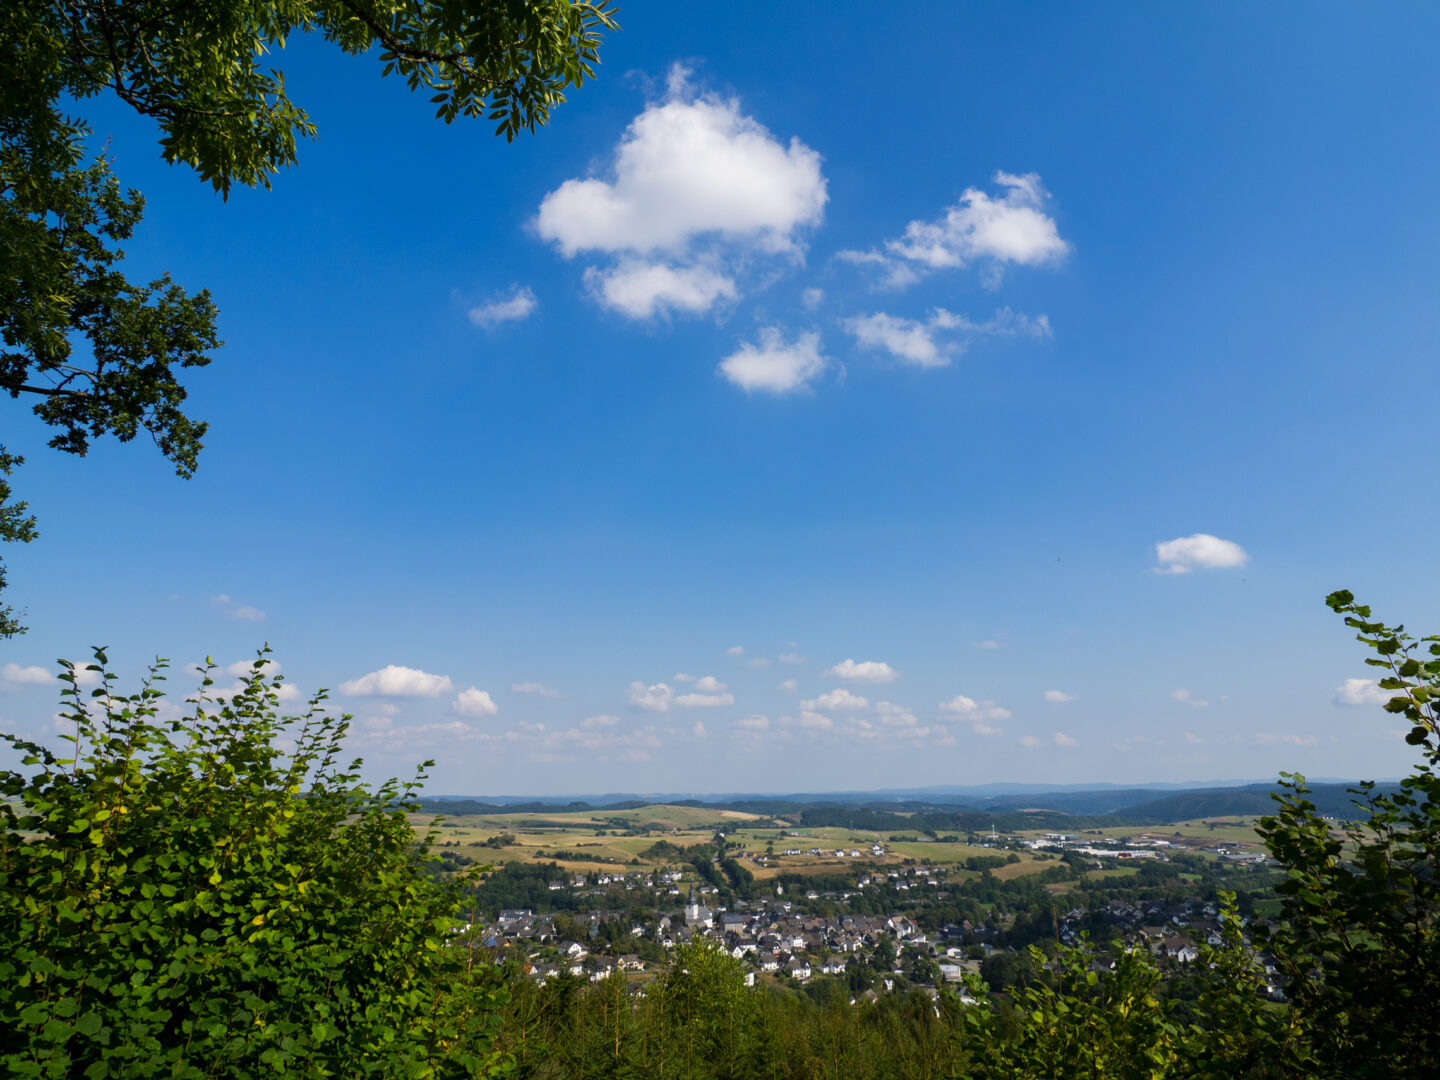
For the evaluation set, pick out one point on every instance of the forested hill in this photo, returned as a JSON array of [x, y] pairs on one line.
[[1055, 809]]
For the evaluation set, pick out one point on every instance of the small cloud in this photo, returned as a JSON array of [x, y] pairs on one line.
[[13, 675], [735, 650], [811, 298], [1299, 740], [815, 721], [220, 600], [656, 698], [791, 658], [1029, 741], [789, 685], [1186, 698], [1061, 739], [395, 681], [759, 661], [1193, 739], [775, 366], [641, 289], [708, 684], [758, 722], [591, 723], [474, 702], [518, 304], [970, 709], [698, 730], [982, 728], [241, 668], [534, 688], [989, 643], [704, 701], [1361, 692], [1200, 551], [836, 700], [1058, 697], [866, 671], [681, 677], [248, 614]]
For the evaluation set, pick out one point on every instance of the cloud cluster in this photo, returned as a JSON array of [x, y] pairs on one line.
[[1200, 551], [707, 692], [695, 191], [989, 231]]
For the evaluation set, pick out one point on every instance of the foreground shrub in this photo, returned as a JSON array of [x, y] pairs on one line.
[[182, 897]]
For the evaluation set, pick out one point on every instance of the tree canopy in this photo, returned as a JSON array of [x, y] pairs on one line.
[[99, 354]]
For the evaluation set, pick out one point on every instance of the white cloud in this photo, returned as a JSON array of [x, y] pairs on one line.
[[1361, 692], [791, 658], [13, 675], [735, 650], [989, 644], [474, 702], [1185, 697], [982, 728], [893, 715], [836, 699], [1058, 697], [919, 343], [811, 298], [815, 721], [866, 671], [247, 613], [242, 668], [656, 698], [758, 722], [395, 681], [1198, 551], [681, 677], [1299, 740], [1061, 739], [970, 709], [708, 684], [1194, 740], [534, 688], [698, 730], [689, 167], [759, 661], [641, 289], [518, 304], [775, 366], [1029, 741], [704, 701], [789, 685], [591, 723], [1012, 228]]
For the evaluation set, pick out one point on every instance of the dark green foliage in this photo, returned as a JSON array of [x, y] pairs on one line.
[[180, 898]]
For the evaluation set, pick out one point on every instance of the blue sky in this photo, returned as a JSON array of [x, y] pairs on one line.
[[890, 342]]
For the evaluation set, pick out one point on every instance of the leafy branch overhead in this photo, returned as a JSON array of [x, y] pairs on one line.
[[102, 354]]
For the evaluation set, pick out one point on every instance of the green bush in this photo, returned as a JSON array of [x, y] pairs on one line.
[[182, 897]]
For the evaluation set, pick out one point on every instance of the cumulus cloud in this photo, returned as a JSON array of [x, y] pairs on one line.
[[791, 658], [815, 721], [246, 613], [980, 727], [534, 688], [242, 668], [735, 650], [13, 675], [395, 681], [836, 700], [1061, 739], [989, 643], [1200, 551], [517, 304], [812, 297], [758, 722], [708, 684], [643, 289], [591, 723], [1193, 740], [970, 709], [656, 698], [775, 365], [474, 702], [1058, 697], [789, 685], [1029, 741], [988, 231], [941, 337], [1361, 692], [693, 180], [1185, 697], [865, 671]]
